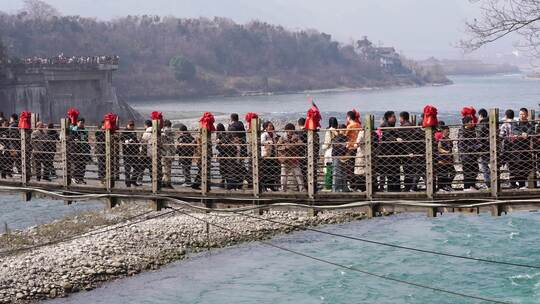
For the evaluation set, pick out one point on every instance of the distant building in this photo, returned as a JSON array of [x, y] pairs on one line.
[[387, 57]]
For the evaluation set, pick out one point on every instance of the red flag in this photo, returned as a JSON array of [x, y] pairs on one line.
[[313, 119]]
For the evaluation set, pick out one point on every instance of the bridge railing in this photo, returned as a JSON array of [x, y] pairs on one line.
[[495, 157]]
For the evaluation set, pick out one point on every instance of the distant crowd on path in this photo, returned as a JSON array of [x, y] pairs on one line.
[[398, 152], [78, 60]]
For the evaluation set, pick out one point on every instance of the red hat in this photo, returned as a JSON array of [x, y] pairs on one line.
[[469, 111]]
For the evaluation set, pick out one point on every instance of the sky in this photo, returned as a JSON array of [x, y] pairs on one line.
[[417, 28]]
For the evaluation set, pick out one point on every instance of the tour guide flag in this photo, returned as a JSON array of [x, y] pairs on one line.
[[207, 121], [73, 115], [430, 117], [313, 119], [249, 117], [25, 120]]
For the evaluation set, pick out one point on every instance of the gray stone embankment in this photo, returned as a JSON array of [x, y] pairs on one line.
[[85, 263]]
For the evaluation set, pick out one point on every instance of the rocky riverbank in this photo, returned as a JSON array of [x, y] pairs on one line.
[[127, 248]]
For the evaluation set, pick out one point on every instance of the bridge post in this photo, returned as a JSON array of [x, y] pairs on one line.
[[25, 157], [493, 152], [33, 120], [368, 133], [205, 161], [156, 156], [311, 165], [64, 133], [413, 120], [497, 209], [432, 211], [531, 181], [373, 210], [112, 202], [255, 156], [430, 189], [109, 171]]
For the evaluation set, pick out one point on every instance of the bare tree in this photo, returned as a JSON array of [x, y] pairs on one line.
[[500, 18], [41, 10]]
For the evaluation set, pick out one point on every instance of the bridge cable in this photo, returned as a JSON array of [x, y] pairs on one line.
[[89, 233], [352, 268], [484, 260], [239, 211]]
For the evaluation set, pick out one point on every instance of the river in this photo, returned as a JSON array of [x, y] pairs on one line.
[[255, 273], [503, 91]]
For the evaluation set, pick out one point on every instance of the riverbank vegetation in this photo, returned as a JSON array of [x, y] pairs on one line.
[[171, 57]]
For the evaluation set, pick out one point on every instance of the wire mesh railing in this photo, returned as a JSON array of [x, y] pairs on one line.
[[491, 157]]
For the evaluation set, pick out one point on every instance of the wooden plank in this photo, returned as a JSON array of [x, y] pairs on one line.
[[493, 152], [255, 155], [429, 163], [156, 156], [368, 131]]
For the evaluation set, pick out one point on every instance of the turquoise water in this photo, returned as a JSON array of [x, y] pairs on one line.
[[18, 214], [256, 273], [503, 91]]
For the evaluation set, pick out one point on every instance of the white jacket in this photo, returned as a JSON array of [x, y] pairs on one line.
[[360, 160], [147, 139], [327, 144]]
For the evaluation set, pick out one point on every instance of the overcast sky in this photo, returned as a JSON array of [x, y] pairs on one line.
[[419, 28]]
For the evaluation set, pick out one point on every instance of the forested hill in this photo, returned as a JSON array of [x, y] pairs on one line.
[[169, 57]]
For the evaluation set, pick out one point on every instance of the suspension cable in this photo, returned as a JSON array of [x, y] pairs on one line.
[[392, 245], [352, 268], [92, 232]]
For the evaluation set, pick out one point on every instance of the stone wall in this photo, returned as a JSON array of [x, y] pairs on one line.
[[50, 90]]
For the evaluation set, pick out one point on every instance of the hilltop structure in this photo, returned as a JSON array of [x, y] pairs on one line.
[[389, 60]]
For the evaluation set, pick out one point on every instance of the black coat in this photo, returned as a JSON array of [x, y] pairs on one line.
[[129, 140]]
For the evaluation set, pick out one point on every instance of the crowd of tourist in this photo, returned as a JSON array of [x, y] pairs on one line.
[[397, 153], [62, 59]]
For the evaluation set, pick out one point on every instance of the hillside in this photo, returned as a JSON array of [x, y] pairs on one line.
[[164, 57]]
